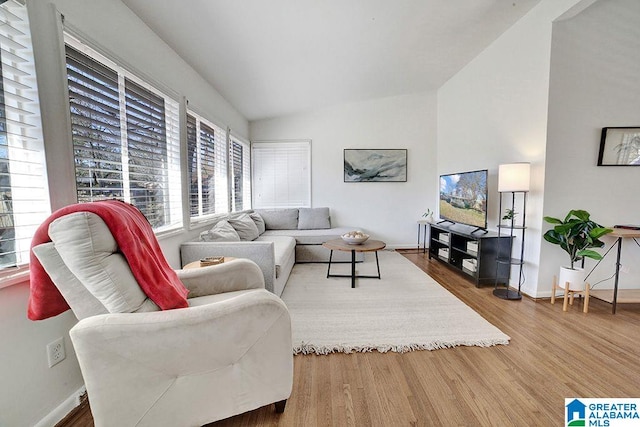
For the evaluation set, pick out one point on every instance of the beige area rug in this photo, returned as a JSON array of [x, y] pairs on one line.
[[404, 311]]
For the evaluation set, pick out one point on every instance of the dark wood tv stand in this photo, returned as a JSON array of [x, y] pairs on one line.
[[454, 248]]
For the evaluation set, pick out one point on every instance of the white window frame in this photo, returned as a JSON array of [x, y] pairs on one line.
[[29, 196]]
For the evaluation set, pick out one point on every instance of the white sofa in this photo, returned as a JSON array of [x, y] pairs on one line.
[[290, 235]]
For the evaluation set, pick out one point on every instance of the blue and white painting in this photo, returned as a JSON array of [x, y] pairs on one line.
[[375, 165]]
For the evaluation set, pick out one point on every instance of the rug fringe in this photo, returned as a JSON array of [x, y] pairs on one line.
[[308, 348]]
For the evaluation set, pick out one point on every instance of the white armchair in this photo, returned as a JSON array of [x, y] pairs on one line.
[[229, 352]]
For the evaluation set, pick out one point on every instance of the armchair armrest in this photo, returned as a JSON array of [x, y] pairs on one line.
[[145, 366], [234, 275], [262, 253]]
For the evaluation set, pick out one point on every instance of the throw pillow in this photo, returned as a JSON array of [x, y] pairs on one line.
[[279, 219], [221, 232], [313, 218], [259, 222], [245, 227]]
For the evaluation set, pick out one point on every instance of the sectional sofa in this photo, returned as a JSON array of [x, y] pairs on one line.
[[275, 239]]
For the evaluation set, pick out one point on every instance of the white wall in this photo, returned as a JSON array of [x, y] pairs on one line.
[[495, 111], [595, 64], [386, 210], [30, 390]]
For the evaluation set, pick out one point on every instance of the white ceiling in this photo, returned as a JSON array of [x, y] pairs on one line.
[[277, 57]]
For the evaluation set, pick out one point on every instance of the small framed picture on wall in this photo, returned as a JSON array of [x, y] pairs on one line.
[[619, 146]]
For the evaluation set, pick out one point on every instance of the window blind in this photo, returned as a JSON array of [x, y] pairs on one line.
[[240, 155], [24, 200], [208, 180], [125, 138], [281, 174], [192, 165]]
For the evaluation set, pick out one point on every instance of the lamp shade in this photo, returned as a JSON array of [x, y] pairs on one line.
[[513, 177]]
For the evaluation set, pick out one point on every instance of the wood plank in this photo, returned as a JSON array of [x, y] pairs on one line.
[[552, 355]]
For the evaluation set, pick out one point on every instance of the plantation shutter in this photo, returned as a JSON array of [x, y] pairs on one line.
[[24, 200], [95, 127], [192, 164], [147, 151], [125, 138], [207, 162], [240, 174], [281, 174], [208, 169]]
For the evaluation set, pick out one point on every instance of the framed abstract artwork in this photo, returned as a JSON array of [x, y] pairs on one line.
[[381, 165], [619, 146]]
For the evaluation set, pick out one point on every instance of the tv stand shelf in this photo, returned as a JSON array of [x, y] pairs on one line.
[[455, 248]]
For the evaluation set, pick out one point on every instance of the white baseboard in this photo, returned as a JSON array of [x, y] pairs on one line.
[[55, 416]]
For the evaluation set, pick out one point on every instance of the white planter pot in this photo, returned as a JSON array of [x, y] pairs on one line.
[[575, 278]]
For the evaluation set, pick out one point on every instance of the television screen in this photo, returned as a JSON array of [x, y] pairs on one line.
[[463, 198]]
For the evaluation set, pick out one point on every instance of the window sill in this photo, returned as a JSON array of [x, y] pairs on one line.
[[14, 276]]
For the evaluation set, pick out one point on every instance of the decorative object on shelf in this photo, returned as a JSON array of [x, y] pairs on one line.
[[514, 179], [577, 235], [428, 214], [619, 146], [355, 237], [388, 165], [509, 214]]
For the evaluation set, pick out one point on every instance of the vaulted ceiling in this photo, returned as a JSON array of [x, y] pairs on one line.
[[278, 57]]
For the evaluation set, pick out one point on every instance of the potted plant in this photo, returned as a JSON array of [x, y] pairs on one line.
[[509, 214], [577, 235]]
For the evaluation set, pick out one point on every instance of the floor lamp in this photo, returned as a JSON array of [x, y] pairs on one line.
[[513, 178]]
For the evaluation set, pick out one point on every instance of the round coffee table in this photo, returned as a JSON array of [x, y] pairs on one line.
[[341, 245]]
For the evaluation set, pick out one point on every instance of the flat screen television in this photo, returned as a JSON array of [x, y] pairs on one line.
[[463, 198]]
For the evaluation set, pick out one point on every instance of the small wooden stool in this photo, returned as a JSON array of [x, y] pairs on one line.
[[569, 294]]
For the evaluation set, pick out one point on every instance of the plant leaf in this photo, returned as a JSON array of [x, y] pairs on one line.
[[580, 214], [552, 220], [598, 232], [589, 254]]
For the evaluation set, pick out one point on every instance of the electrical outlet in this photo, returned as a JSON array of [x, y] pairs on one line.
[[624, 269], [55, 352]]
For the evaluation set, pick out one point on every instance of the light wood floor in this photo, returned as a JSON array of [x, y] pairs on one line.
[[552, 355]]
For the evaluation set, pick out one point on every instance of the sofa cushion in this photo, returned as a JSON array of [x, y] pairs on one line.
[[221, 232], [279, 219], [255, 216], [245, 227], [284, 248], [90, 252], [313, 218]]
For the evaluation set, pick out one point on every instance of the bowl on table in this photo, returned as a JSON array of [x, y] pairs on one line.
[[355, 237]]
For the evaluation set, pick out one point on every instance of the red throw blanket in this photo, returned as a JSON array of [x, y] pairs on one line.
[[136, 241]]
